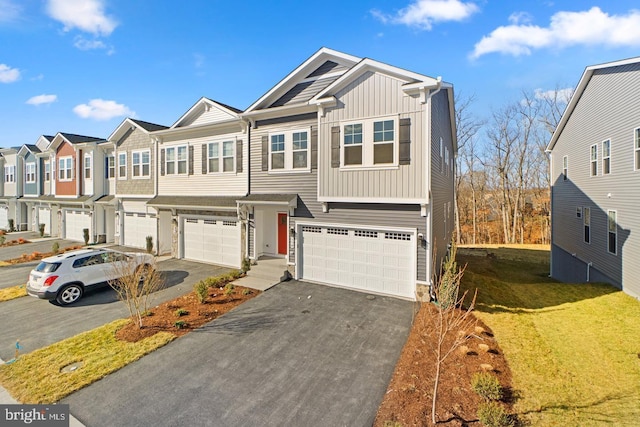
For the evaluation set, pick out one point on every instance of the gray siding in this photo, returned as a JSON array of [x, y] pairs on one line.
[[136, 140], [607, 109], [30, 189]]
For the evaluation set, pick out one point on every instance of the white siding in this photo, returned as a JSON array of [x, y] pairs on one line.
[[214, 115]]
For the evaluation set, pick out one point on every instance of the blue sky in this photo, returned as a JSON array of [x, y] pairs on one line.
[[81, 66]]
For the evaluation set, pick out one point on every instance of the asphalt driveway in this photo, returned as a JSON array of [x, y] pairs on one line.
[[297, 355], [37, 323]]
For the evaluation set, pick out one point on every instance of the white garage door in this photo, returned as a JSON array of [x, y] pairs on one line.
[[4, 218], [74, 223], [44, 217], [212, 240], [363, 259], [137, 226]]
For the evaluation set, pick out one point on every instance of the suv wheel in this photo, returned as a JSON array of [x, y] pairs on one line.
[[69, 294]]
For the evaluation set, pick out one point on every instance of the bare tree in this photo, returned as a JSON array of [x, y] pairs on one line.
[[135, 283]]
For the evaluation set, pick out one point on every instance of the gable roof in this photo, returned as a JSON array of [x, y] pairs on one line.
[[309, 78], [149, 127], [72, 139], [129, 124], [33, 149], [577, 94], [203, 105]]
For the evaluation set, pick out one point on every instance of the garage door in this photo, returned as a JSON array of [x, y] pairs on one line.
[[4, 218], [44, 217], [75, 222], [212, 240], [359, 258], [137, 226]]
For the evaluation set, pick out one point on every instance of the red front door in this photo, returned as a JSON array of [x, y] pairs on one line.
[[282, 233]]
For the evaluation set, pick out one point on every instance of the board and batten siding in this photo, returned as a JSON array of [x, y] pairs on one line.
[[135, 141], [607, 109], [442, 175], [374, 95], [208, 184]]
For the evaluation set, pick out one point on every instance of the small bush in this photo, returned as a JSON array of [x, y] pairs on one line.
[[149, 244], [180, 324], [55, 248], [246, 264], [213, 282], [487, 386], [85, 235], [201, 289], [247, 291], [229, 289], [235, 274], [181, 312], [493, 414], [392, 424], [2, 239], [41, 229]]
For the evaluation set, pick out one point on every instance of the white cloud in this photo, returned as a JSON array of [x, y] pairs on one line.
[[42, 99], [8, 74], [592, 27], [423, 14], [562, 95], [86, 15], [84, 44], [9, 11], [101, 109]]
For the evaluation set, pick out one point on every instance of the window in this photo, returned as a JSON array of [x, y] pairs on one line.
[[612, 225], [579, 212], [47, 171], [228, 156], [289, 150], [594, 160], [565, 167], [441, 155], [636, 137], [176, 160], [87, 166], [586, 220], [10, 173], [30, 173], [141, 164], [122, 165], [111, 167], [606, 157], [370, 143], [65, 169]]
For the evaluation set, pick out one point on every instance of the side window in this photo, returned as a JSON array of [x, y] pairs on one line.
[[88, 261]]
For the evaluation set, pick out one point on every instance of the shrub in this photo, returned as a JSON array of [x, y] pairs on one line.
[[149, 244], [12, 225], [55, 248], [247, 291], [41, 229], [180, 324], [493, 414], [213, 282], [246, 264], [487, 386], [392, 424], [235, 274], [2, 239], [85, 235], [201, 289], [229, 289], [181, 312]]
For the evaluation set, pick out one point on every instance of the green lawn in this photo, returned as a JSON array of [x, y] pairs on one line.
[[574, 349]]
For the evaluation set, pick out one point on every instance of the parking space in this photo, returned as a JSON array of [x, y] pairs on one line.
[[37, 323]]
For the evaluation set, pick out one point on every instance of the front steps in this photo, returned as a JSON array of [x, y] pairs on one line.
[[265, 274]]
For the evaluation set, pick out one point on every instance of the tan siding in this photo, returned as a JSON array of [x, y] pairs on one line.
[[212, 116], [137, 140], [608, 109], [374, 95]]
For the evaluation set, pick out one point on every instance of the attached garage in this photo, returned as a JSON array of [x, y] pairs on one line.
[[212, 240], [4, 218], [365, 259], [137, 226], [74, 222], [44, 217]]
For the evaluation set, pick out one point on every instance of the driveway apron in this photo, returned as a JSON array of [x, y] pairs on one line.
[[298, 355]]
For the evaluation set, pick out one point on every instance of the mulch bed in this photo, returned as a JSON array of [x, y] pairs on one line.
[[35, 256], [409, 396]]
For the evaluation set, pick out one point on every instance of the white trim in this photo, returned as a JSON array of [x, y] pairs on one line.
[[288, 150], [368, 144], [141, 164], [615, 212], [28, 166], [592, 160], [89, 168], [175, 161], [606, 157], [119, 165], [221, 157], [374, 200], [70, 168]]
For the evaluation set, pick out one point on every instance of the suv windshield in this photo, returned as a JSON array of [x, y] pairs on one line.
[[47, 267]]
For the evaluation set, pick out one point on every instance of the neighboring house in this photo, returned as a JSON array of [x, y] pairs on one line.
[[202, 169], [77, 172], [12, 182], [351, 178], [130, 171], [32, 166], [595, 171]]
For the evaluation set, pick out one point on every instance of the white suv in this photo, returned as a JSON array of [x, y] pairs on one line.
[[67, 276]]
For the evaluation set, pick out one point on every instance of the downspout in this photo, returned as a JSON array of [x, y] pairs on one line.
[[589, 270]]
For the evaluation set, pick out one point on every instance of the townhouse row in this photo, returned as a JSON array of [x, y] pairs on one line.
[[343, 170]]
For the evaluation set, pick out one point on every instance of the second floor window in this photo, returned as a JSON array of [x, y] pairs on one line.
[[111, 167], [594, 160], [565, 167], [87, 166], [636, 147], [10, 173], [65, 169], [373, 143], [221, 156], [289, 150], [30, 173], [606, 157], [176, 160], [122, 165], [47, 171], [141, 164]]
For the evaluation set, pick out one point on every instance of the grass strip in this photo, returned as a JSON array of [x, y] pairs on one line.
[[37, 377], [572, 348], [13, 292]]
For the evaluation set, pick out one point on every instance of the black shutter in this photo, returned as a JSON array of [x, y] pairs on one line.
[[314, 148], [239, 155], [205, 159], [191, 160], [162, 162], [335, 147], [404, 138], [106, 167], [265, 152]]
